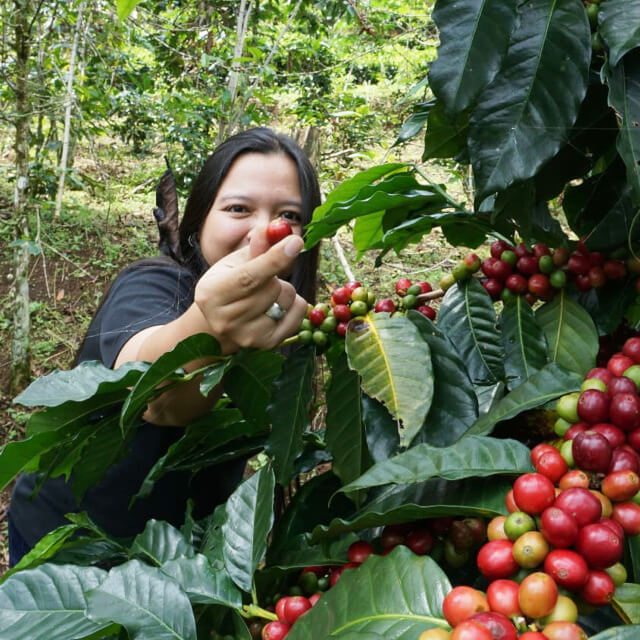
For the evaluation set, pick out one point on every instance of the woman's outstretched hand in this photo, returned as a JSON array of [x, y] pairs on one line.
[[234, 294]]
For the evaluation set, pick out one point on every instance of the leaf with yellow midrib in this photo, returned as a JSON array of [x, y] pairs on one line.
[[394, 363]]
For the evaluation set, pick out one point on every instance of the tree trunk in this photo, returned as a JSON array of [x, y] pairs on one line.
[[244, 12], [69, 100], [20, 348]]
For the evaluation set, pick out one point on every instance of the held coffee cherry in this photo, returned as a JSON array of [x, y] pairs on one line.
[[277, 230]]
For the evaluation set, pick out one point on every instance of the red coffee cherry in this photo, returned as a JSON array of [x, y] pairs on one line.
[[277, 230]]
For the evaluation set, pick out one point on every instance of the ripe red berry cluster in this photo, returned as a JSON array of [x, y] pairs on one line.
[[348, 301], [537, 273], [408, 294]]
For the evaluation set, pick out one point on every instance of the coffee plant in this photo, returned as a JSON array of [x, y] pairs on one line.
[[473, 472]]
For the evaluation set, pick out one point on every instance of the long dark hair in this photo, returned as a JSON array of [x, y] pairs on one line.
[[214, 171]]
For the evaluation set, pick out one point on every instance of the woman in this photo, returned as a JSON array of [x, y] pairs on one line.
[[230, 284]]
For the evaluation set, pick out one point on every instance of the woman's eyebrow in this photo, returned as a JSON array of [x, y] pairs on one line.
[[245, 198]]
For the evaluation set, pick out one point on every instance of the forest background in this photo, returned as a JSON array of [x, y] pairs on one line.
[[93, 106]]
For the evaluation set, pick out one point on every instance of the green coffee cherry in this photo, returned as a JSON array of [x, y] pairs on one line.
[[305, 337]]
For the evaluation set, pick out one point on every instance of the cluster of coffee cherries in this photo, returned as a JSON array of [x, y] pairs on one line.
[[536, 273], [448, 538], [560, 548], [352, 300], [348, 301]]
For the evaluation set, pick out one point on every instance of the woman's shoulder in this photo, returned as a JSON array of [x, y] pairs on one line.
[[159, 269]]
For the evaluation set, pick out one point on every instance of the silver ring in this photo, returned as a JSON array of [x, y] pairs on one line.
[[275, 312]]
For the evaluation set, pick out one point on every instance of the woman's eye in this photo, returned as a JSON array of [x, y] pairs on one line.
[[291, 216], [237, 208]]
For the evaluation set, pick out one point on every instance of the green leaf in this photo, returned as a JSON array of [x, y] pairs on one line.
[[624, 97], [80, 383], [525, 347], [249, 382], [632, 544], [524, 116], [289, 411], [455, 406], [619, 27], [474, 37], [44, 549], [17, 455], [212, 377], [431, 499], [249, 518], [161, 542], [125, 7], [380, 429], [551, 382], [311, 505], [629, 632], [571, 335], [626, 602], [369, 601], [48, 602], [368, 232], [489, 396], [145, 601], [445, 137], [201, 583], [345, 434], [395, 366], [412, 126], [475, 456], [607, 306], [399, 191], [203, 443], [468, 319], [196, 347]]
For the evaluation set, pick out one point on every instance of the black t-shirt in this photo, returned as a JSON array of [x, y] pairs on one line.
[[145, 294]]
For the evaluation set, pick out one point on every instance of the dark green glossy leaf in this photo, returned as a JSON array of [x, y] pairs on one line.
[[607, 306], [551, 382], [629, 632], [471, 456], [626, 602], [201, 583], [523, 117], [249, 382], [145, 601], [445, 137], [81, 383], [572, 338], [619, 27], [525, 347], [468, 319], [395, 366], [624, 96], [632, 544], [380, 429], [455, 407], [201, 345], [474, 36], [412, 126], [312, 505], [345, 434], [431, 499], [161, 542], [489, 396], [248, 520], [212, 377], [289, 411], [48, 602], [369, 601], [200, 445], [300, 553]]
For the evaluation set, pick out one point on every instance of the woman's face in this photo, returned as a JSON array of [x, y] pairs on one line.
[[258, 188]]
